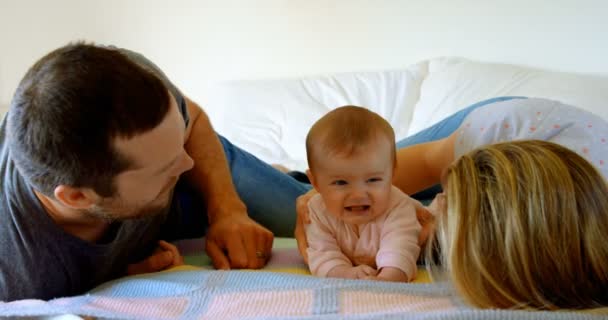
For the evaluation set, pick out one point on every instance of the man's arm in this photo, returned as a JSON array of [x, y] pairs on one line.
[[210, 174], [233, 239]]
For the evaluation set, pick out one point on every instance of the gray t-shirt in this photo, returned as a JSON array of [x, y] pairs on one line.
[[40, 260]]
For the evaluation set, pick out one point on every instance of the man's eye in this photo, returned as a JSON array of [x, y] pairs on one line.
[[374, 179], [339, 182]]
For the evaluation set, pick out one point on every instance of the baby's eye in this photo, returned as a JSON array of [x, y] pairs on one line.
[[339, 182], [374, 179]]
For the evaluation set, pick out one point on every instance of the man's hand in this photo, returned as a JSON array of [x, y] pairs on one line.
[[302, 220], [165, 256], [233, 239], [236, 241]]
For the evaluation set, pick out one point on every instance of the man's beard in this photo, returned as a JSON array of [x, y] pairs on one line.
[[117, 210]]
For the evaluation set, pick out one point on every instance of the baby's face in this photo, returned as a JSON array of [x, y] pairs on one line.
[[356, 189]]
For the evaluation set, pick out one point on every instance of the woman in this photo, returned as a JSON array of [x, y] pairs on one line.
[[525, 223]]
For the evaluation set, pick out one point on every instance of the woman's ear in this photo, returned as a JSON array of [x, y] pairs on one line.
[[76, 198]]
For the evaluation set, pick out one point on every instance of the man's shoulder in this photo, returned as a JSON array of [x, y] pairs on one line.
[[15, 196]]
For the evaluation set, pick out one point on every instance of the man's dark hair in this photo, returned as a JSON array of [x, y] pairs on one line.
[[69, 108]]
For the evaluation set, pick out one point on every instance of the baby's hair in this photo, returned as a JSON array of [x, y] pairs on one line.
[[344, 130], [526, 227]]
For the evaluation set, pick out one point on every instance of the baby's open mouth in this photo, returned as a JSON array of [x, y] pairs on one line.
[[357, 208]]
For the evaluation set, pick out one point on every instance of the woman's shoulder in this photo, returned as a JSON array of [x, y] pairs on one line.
[[520, 119], [535, 119]]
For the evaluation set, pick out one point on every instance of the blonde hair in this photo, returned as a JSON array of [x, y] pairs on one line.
[[344, 130], [526, 227]]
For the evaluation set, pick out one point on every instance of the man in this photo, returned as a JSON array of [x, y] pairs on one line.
[[104, 159]]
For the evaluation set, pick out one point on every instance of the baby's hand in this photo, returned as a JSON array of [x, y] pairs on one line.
[[349, 272], [392, 274], [363, 271]]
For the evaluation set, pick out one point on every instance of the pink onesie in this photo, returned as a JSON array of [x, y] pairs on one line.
[[390, 240]]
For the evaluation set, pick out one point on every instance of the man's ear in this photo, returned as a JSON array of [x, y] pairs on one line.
[[311, 178], [76, 198]]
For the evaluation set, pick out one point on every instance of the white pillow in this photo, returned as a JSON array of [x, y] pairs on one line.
[[455, 83], [270, 118]]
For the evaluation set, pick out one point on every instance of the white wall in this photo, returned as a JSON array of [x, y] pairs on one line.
[[199, 42]]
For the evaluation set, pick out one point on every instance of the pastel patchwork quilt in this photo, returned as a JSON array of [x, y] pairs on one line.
[[284, 290]]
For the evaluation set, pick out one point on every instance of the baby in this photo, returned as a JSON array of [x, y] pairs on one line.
[[362, 227]]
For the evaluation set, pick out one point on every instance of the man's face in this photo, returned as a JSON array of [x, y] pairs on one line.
[[158, 158]]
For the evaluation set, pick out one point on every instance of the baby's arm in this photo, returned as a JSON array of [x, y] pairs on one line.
[[325, 257], [392, 274], [396, 258]]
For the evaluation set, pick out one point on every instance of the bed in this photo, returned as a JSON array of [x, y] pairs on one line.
[[270, 119]]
